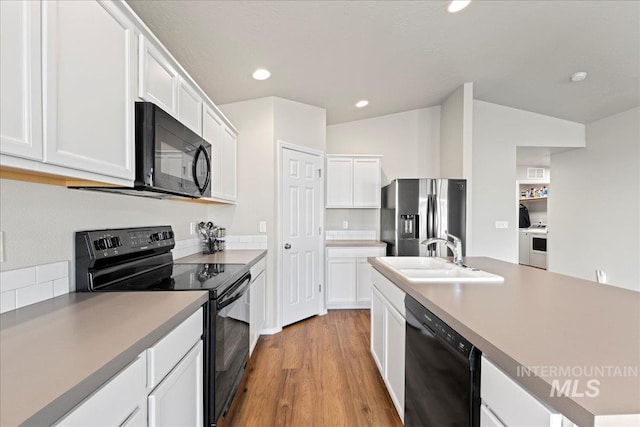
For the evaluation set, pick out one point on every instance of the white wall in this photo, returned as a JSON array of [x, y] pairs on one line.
[[409, 144], [595, 208], [456, 131], [39, 220], [261, 123], [497, 131]]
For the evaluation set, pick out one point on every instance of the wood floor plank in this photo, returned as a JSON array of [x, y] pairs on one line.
[[318, 372]]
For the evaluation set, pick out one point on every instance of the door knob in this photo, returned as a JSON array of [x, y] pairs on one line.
[[287, 246]]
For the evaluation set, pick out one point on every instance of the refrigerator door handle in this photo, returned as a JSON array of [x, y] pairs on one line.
[[430, 216]]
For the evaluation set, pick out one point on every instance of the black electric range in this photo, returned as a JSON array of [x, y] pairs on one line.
[[140, 259]]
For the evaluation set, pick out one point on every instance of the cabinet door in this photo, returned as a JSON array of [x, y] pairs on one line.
[[157, 78], [377, 328], [341, 281], [366, 183], [20, 74], [177, 401], [229, 141], [138, 418], [339, 182], [363, 285], [394, 336], [487, 419], [212, 129], [88, 87], [257, 310], [189, 107], [524, 245]]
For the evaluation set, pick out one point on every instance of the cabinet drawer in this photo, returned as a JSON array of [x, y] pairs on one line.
[[391, 292], [356, 252], [114, 403], [166, 354], [512, 403], [488, 419]]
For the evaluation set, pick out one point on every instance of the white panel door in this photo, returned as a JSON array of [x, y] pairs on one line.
[[341, 280], [377, 328], [88, 87], [20, 74], [189, 107], [212, 129], [339, 182], [157, 80], [363, 280], [229, 158], [366, 183], [301, 235], [178, 400], [394, 356]]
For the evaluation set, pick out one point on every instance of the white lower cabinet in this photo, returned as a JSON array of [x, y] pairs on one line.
[[178, 400], [162, 387], [488, 418], [388, 333], [257, 306], [349, 276], [506, 402]]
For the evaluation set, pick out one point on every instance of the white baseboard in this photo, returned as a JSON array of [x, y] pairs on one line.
[[270, 331]]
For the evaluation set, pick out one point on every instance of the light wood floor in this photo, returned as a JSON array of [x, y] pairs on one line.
[[318, 372]]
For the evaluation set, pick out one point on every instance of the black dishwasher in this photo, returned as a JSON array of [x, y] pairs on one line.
[[442, 373]]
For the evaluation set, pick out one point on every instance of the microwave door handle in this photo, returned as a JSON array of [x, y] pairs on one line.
[[201, 151]]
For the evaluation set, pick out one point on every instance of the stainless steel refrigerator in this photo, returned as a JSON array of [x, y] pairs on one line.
[[414, 210]]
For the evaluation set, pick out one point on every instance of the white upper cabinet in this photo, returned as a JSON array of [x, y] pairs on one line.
[[20, 74], [189, 107], [366, 182], [339, 182], [353, 181], [88, 86], [229, 158], [157, 79], [212, 129]]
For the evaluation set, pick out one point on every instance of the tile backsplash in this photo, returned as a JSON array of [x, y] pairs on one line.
[[30, 285], [246, 242], [350, 235]]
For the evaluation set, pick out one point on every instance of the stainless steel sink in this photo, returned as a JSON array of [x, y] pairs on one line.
[[438, 270]]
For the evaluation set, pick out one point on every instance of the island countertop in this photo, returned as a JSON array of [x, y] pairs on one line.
[[547, 322], [55, 353]]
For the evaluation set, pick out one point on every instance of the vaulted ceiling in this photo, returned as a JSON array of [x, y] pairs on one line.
[[403, 55]]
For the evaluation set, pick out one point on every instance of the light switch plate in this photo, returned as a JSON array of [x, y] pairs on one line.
[[502, 224], [345, 224], [263, 226]]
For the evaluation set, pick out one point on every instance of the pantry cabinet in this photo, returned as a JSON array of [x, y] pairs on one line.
[[388, 336], [348, 276], [20, 73], [353, 181], [88, 90]]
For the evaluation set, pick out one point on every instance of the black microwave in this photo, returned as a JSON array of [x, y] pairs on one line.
[[170, 157]]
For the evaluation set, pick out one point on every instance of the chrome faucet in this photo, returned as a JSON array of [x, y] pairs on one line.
[[455, 245]]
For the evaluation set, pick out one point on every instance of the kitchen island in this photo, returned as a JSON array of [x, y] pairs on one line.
[[55, 353], [538, 325]]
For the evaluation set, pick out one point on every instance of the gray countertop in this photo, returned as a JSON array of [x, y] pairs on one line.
[[55, 353], [546, 321], [232, 256], [353, 243]]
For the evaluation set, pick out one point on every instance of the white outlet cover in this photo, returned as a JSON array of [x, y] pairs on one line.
[[1, 246], [345, 224], [192, 228], [263, 226], [502, 224]]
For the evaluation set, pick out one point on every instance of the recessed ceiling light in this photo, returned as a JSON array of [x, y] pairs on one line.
[[579, 76], [261, 74], [457, 5], [362, 103]]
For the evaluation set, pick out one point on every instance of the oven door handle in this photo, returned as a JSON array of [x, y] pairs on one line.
[[234, 296]]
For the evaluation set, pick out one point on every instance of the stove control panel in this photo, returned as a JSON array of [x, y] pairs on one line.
[[102, 244]]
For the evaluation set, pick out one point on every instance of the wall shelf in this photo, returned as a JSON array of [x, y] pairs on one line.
[[533, 199]]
